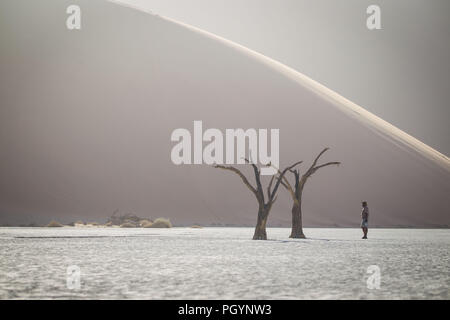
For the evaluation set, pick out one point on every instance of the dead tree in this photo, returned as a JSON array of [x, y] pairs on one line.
[[264, 205], [297, 191]]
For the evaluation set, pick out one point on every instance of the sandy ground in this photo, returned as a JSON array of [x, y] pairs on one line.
[[222, 263]]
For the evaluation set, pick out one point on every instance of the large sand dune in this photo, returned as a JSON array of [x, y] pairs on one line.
[[86, 118]]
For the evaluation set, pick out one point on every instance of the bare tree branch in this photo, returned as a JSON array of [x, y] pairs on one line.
[[284, 185], [240, 174], [270, 186], [274, 199], [285, 182], [280, 178], [317, 158], [297, 178], [257, 172], [327, 164]]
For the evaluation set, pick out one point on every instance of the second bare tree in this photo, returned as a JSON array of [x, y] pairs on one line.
[[296, 193]]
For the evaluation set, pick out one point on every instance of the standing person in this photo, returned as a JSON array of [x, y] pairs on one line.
[[365, 219]]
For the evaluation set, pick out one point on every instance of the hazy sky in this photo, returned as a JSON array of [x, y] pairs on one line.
[[401, 73], [86, 118]]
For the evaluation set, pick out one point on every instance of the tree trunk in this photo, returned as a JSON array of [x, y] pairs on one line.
[[260, 229], [297, 225]]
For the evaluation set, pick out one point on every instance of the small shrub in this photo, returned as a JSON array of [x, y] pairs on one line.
[[54, 224], [144, 222], [161, 223], [128, 225]]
